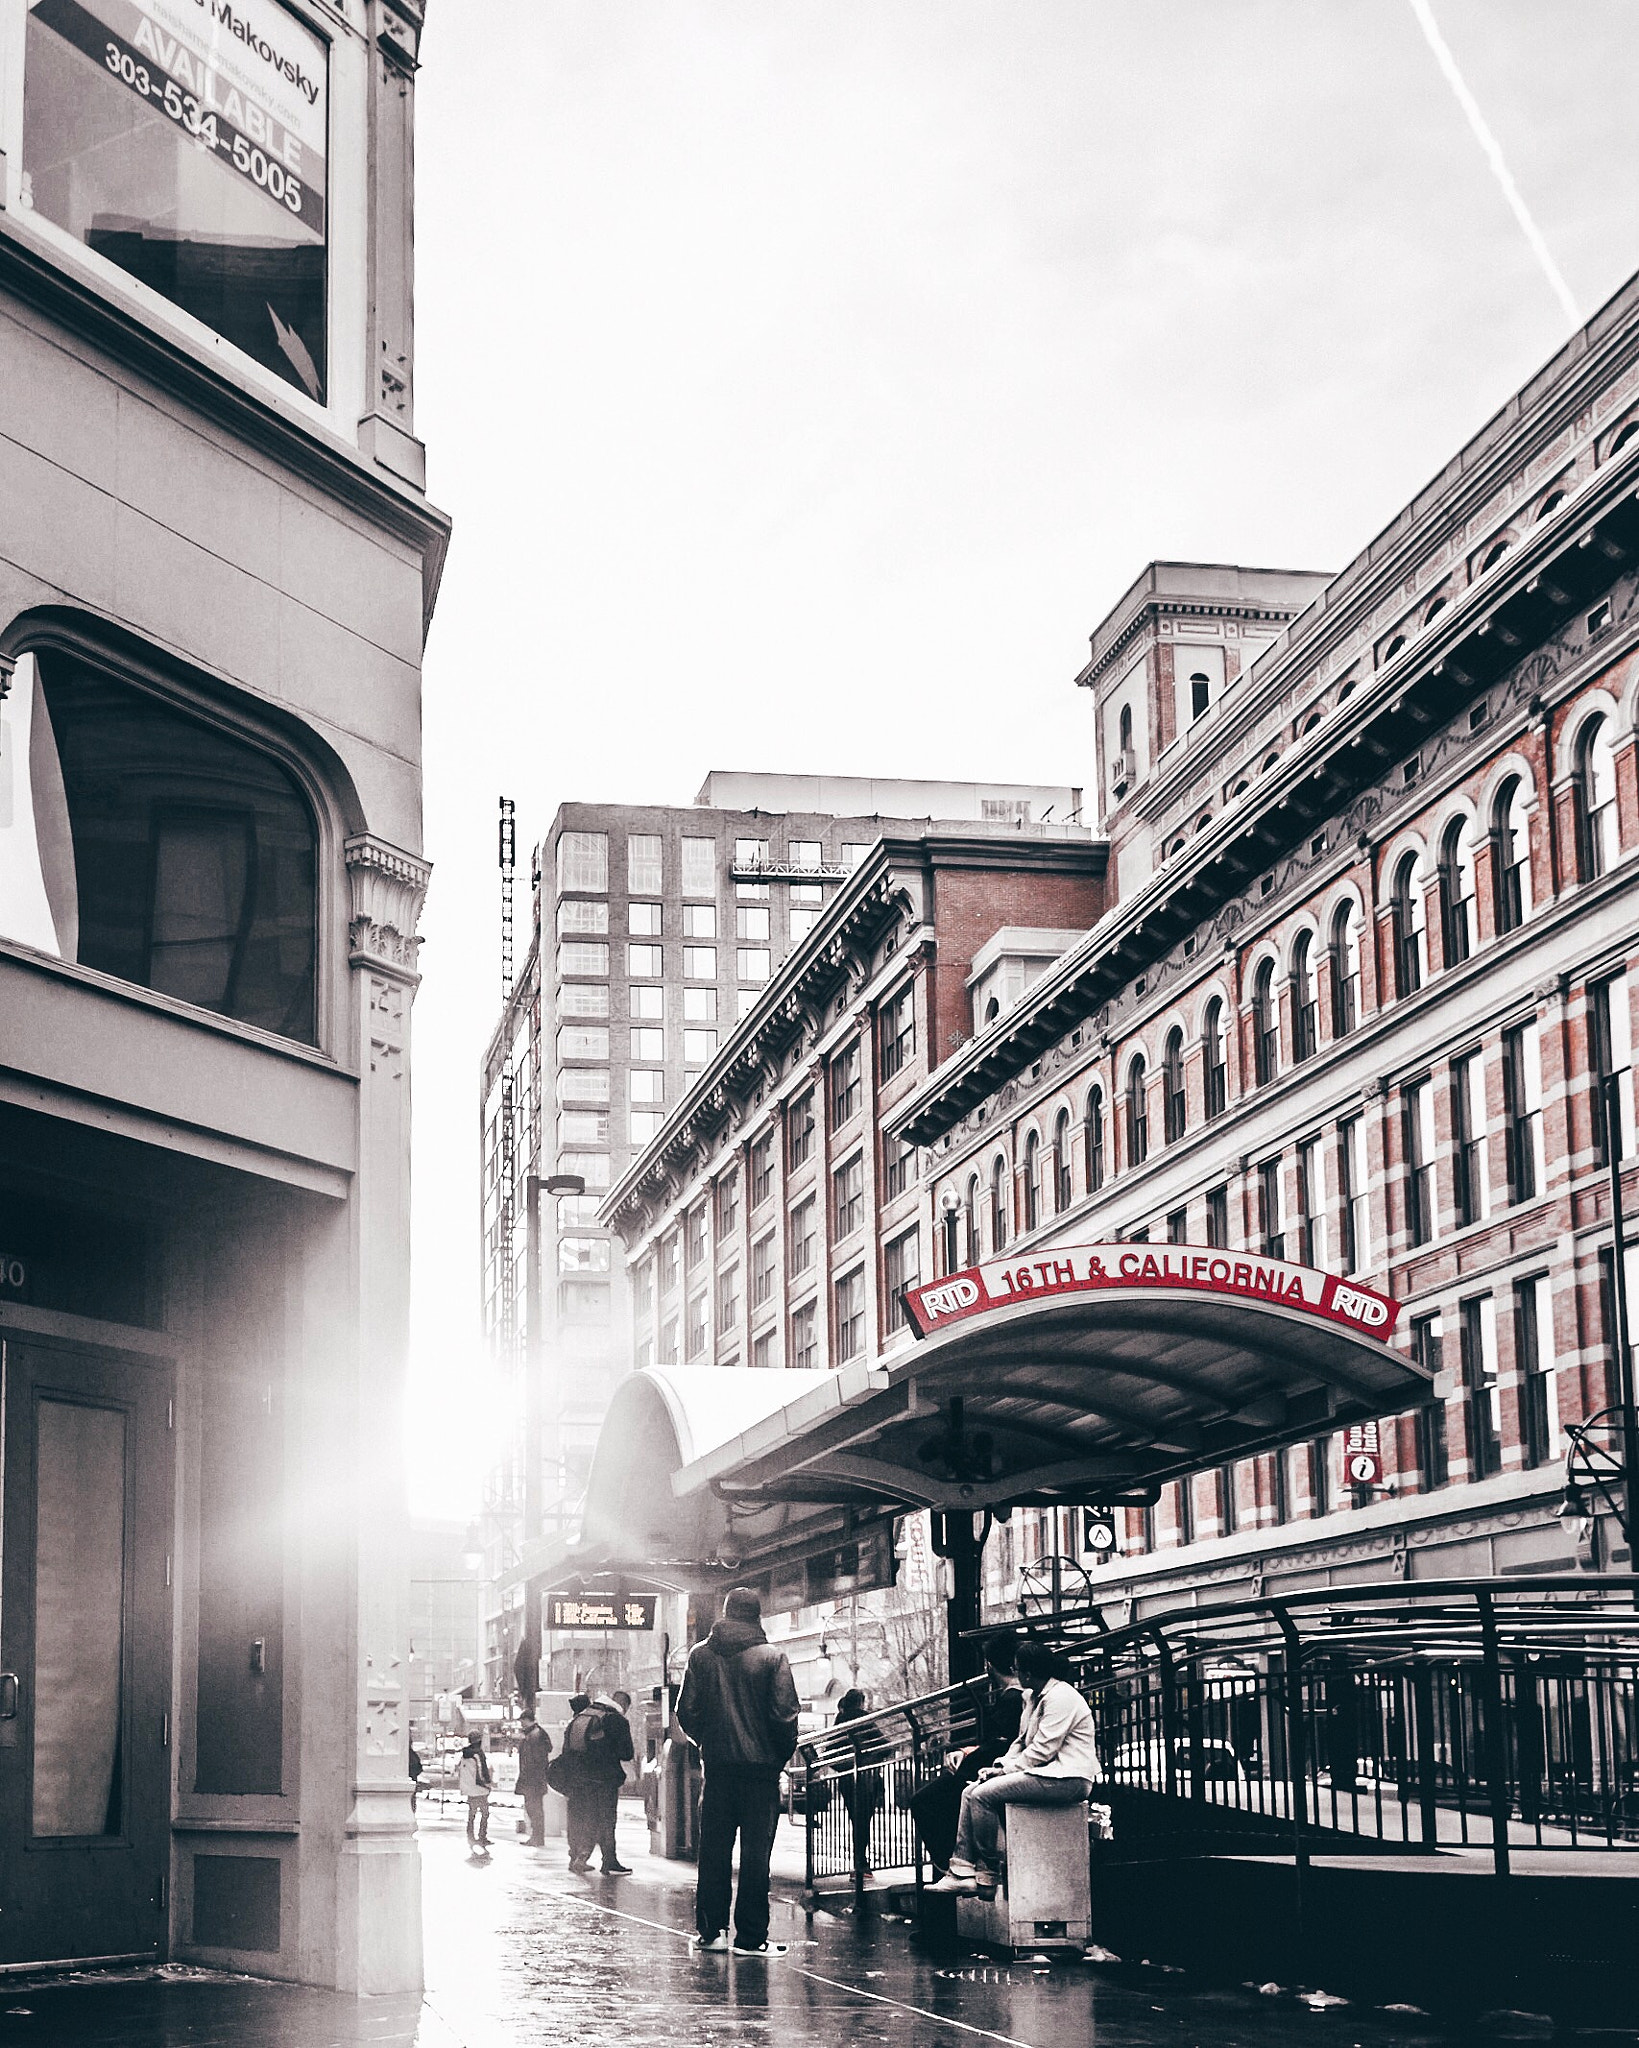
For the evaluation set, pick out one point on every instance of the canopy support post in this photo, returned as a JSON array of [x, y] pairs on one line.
[[957, 1538]]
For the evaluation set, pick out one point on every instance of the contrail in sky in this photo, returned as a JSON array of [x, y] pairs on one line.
[[1493, 152]]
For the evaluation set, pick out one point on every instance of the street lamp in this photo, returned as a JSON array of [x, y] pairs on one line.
[[554, 1184]]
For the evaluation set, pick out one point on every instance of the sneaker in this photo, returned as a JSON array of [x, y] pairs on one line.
[[617, 1870], [577, 1866], [763, 1948], [711, 1944]]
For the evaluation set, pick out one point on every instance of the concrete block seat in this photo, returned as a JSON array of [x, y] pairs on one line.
[[1044, 1894]]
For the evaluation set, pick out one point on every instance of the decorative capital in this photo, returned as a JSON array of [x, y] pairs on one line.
[[388, 889]]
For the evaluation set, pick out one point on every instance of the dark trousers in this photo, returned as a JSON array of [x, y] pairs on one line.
[[593, 1806], [535, 1808], [747, 1804]]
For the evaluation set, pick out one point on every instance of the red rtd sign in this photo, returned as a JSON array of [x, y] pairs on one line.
[[1138, 1269]]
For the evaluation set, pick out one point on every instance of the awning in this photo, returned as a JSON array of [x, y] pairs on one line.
[[1089, 1374]]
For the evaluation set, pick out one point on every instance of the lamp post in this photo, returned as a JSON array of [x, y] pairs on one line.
[[535, 1186]]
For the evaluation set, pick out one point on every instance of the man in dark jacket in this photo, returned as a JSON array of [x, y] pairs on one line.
[[739, 1707], [936, 1806], [534, 1760]]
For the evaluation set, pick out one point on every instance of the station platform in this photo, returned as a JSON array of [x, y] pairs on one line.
[[519, 1951]]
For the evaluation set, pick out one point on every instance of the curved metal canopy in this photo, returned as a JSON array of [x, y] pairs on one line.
[[1094, 1373]]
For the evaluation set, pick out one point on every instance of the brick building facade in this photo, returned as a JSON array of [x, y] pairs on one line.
[[1368, 962]]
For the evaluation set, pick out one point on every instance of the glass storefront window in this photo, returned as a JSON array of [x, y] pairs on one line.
[[155, 847], [185, 141]]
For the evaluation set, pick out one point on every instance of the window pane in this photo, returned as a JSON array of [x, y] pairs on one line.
[[155, 848], [700, 1005], [648, 1042], [128, 144], [647, 1086], [583, 956], [699, 867], [583, 999], [643, 864], [700, 963], [582, 1042], [699, 921], [647, 1004], [79, 1528], [583, 861], [576, 916], [698, 1047], [643, 920], [583, 1084], [643, 960], [754, 963]]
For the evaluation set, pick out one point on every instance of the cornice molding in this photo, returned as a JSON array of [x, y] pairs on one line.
[[387, 888]]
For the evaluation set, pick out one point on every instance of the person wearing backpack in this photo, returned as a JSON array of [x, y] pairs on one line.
[[474, 1782], [570, 1775], [608, 1752], [739, 1708]]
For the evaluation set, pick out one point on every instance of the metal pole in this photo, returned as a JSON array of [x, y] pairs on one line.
[[1623, 1347], [534, 1520], [1496, 1746]]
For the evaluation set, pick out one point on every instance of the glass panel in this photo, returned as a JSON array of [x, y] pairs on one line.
[[187, 145], [79, 1606]]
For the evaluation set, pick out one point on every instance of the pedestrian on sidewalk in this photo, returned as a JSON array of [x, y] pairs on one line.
[[415, 1776], [608, 1752], [1054, 1762], [862, 1790], [567, 1774], [475, 1783], [534, 1761], [739, 1707], [936, 1805]]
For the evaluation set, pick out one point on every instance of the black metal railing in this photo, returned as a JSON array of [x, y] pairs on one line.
[[1498, 1714]]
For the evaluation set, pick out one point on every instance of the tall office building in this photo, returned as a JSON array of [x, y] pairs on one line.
[[655, 930]]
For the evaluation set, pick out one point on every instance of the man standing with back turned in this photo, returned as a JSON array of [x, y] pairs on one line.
[[739, 1707]]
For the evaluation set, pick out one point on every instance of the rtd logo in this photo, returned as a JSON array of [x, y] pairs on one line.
[[952, 1297], [1364, 1309]]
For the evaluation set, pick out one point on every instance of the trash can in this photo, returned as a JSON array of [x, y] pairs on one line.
[[1044, 1897]]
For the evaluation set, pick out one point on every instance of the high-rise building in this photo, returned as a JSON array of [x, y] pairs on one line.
[[655, 929]]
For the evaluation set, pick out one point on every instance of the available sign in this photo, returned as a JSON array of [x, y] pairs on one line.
[[1362, 1454], [243, 80], [1139, 1269], [600, 1610]]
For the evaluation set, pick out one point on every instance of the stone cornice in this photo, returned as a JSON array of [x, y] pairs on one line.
[[388, 888]]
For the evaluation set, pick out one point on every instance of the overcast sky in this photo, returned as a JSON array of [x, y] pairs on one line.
[[807, 377]]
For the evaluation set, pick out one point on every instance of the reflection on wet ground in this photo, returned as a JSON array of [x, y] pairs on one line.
[[519, 1951]]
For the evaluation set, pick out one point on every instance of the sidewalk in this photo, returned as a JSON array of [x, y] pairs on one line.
[[520, 1952]]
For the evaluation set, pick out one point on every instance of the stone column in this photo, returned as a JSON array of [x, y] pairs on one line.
[[378, 1890]]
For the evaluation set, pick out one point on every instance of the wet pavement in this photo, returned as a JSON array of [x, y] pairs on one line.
[[520, 1951]]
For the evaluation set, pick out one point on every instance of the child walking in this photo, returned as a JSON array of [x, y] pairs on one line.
[[474, 1782]]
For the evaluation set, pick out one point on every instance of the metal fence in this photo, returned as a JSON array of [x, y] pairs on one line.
[[1501, 1714]]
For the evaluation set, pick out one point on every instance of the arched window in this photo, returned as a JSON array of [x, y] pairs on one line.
[[1200, 694], [1124, 730], [1202, 822], [993, 1010], [154, 847], [1269, 761], [1410, 928], [1623, 438], [1032, 1181], [1596, 799], [1063, 1189], [1092, 1131], [1495, 554], [1345, 969], [998, 1204], [1394, 646], [1215, 1065], [1551, 504], [970, 1210], [1174, 1105], [1305, 999], [1434, 611], [1511, 827], [1138, 1115], [1265, 1025], [1458, 935]]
